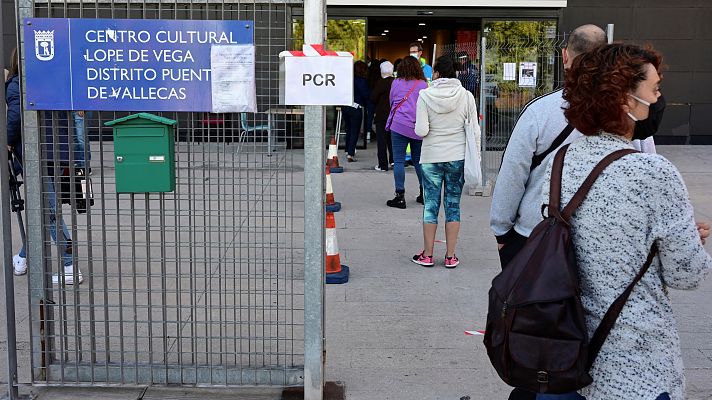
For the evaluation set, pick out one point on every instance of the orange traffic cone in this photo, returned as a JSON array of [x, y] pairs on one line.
[[335, 272], [332, 158], [331, 204]]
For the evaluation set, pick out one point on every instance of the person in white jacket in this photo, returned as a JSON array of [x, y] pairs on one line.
[[440, 120]]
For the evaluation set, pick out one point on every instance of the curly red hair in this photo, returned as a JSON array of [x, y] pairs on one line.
[[598, 83]]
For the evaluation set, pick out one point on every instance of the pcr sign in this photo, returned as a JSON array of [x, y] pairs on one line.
[[316, 77]]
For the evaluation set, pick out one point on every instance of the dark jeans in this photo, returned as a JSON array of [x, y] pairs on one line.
[[400, 143], [370, 114], [81, 144], [352, 119], [64, 240], [385, 147], [521, 394]]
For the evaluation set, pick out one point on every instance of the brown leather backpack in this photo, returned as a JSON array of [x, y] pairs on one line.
[[536, 336]]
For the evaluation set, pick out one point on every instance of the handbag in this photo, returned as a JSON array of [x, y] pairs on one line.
[[400, 103], [473, 140], [82, 193]]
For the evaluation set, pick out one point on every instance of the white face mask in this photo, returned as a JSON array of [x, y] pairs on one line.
[[639, 100], [414, 55]]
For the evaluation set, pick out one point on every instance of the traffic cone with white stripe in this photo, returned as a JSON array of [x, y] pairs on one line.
[[332, 158], [331, 204], [335, 272]]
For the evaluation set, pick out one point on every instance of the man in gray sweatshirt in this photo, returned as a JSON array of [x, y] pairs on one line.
[[516, 201]]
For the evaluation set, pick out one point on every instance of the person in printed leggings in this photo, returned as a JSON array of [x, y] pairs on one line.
[[440, 120]]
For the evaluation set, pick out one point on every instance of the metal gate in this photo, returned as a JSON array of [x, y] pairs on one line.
[[506, 90], [500, 99], [201, 286]]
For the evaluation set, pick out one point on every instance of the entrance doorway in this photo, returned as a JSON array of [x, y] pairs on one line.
[[388, 38]]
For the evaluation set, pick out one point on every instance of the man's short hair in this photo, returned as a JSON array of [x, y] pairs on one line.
[[585, 38], [416, 44]]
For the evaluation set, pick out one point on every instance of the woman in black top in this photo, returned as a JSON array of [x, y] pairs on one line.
[[380, 97]]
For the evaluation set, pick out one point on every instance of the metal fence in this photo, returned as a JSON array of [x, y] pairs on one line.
[[506, 93], [499, 95], [200, 286]]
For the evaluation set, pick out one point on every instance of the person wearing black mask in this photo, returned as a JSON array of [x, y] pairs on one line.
[[649, 126], [540, 130], [645, 129]]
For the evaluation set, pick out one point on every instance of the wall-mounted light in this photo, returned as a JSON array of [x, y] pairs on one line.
[[383, 34], [386, 31], [420, 40], [425, 37], [422, 24]]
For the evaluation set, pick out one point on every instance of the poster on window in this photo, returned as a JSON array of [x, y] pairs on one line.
[[527, 74]]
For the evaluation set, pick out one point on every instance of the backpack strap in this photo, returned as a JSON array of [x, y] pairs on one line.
[[392, 114], [537, 159], [555, 185], [581, 194], [609, 319]]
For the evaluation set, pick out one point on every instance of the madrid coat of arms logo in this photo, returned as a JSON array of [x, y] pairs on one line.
[[44, 45]]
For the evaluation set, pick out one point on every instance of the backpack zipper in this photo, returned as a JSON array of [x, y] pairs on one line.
[[504, 309]]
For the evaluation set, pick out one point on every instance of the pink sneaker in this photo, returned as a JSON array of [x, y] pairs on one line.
[[452, 262], [422, 259]]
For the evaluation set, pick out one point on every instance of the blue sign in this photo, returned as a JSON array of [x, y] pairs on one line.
[[126, 64]]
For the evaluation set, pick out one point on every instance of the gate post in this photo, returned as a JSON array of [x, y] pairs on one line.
[[483, 108], [34, 204], [8, 278], [314, 130]]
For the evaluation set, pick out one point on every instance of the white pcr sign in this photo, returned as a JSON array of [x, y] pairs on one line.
[[316, 77]]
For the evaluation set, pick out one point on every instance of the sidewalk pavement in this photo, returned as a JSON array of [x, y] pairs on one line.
[[396, 330]]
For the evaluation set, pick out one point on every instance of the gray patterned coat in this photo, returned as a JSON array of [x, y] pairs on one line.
[[637, 200]]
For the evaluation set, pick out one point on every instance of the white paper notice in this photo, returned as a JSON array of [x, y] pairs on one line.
[[527, 74], [325, 80], [510, 72], [233, 78]]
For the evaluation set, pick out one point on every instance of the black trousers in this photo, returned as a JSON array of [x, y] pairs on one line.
[[511, 249], [506, 254], [352, 120], [385, 148]]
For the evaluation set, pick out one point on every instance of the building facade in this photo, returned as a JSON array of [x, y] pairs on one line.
[[382, 29]]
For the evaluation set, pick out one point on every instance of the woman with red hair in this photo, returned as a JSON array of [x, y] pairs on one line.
[[639, 200]]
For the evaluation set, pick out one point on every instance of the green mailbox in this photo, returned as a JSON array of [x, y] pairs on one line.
[[144, 153]]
